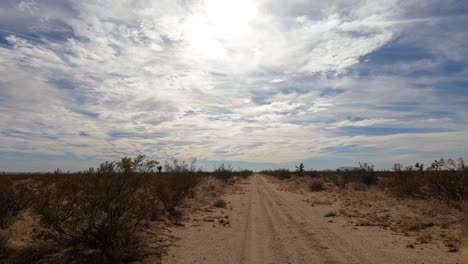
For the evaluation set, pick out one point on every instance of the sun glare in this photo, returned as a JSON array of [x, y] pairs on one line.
[[228, 18], [218, 22]]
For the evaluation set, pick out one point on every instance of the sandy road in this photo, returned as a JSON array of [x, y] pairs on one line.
[[279, 232], [272, 226]]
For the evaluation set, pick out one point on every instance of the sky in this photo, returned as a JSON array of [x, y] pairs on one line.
[[255, 84]]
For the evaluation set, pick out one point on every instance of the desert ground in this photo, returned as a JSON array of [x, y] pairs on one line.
[[267, 220]]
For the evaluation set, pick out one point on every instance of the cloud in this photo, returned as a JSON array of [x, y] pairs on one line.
[[292, 80]]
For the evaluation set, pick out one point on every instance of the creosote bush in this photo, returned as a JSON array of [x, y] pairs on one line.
[[406, 183], [223, 172], [226, 172], [15, 197], [100, 209], [173, 186], [282, 174]]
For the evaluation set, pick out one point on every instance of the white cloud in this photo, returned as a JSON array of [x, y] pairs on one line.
[[171, 78]]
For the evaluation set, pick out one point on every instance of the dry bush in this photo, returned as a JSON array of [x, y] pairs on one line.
[[364, 174], [243, 173], [406, 183], [15, 197], [177, 183], [98, 210], [316, 185], [220, 203], [282, 174], [223, 172], [450, 187], [172, 188]]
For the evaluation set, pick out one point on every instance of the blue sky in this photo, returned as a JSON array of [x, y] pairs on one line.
[[257, 84]]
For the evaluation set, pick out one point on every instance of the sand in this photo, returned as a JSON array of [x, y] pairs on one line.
[[264, 223]]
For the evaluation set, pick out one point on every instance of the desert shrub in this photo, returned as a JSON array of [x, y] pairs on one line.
[[282, 174], [223, 172], [220, 203], [243, 173], [447, 186], [364, 174], [407, 183], [172, 188], [15, 197], [102, 209], [176, 166], [316, 185], [334, 178], [367, 174]]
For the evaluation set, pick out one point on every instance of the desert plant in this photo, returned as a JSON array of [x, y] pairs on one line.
[[223, 172], [15, 197], [364, 174], [138, 164], [316, 185], [406, 183], [172, 188], [176, 166], [448, 186], [282, 174], [242, 173], [300, 169], [102, 209]]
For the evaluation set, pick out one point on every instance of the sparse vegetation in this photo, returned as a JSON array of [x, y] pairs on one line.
[[223, 172], [446, 180], [316, 185], [102, 209], [15, 197], [172, 187]]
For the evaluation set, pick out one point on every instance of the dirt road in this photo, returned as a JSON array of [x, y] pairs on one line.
[[267, 225]]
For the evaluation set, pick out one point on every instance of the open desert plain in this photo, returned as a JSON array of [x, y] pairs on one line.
[[266, 220], [233, 131]]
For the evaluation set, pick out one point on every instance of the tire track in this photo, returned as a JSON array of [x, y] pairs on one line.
[[344, 253]]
